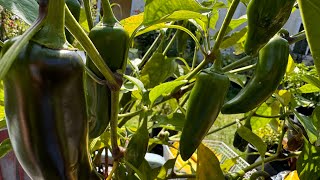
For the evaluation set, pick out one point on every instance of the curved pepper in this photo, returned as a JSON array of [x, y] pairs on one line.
[[270, 69], [265, 19], [204, 104], [111, 40]]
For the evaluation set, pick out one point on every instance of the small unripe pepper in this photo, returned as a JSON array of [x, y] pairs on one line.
[[111, 40]]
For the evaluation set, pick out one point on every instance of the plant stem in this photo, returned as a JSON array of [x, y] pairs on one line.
[[298, 37], [147, 54], [87, 9], [11, 54], [74, 27], [212, 56], [1, 44], [108, 16], [237, 63], [95, 77], [114, 124], [52, 34], [114, 167], [196, 70], [243, 69], [170, 42], [190, 34], [226, 126], [195, 57], [224, 28], [131, 114]]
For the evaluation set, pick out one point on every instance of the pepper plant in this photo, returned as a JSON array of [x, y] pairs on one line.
[[63, 113]]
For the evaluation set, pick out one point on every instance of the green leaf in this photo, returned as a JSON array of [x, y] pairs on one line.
[[173, 121], [308, 166], [234, 23], [5, 147], [237, 78], [252, 138], [258, 122], [165, 89], [165, 169], [310, 13], [316, 117], [208, 164], [233, 38], [131, 23], [311, 80], [145, 170], [214, 19], [138, 145], [100, 142], [158, 9], [183, 15], [307, 123], [308, 88], [157, 70], [27, 10], [136, 82]]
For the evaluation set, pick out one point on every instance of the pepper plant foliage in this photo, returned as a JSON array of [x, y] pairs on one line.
[[157, 84]]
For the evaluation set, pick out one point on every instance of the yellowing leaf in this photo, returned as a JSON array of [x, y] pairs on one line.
[[309, 88], [292, 176], [131, 23], [291, 65], [208, 164]]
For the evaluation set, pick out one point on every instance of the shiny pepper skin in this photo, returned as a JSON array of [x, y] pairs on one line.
[[204, 104], [270, 69], [111, 40], [265, 19], [46, 113]]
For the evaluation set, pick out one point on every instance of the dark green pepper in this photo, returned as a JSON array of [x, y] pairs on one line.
[[265, 19], [270, 69], [111, 40], [45, 104], [75, 8], [204, 104]]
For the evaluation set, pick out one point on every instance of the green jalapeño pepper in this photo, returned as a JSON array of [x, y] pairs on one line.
[[111, 40], [45, 104], [204, 104], [265, 19], [270, 69]]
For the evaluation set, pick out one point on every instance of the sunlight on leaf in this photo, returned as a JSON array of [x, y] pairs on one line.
[[208, 164], [308, 166], [307, 123], [158, 9], [252, 138], [27, 10], [165, 89]]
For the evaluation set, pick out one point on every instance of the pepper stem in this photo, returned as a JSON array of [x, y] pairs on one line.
[[52, 35], [108, 16]]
